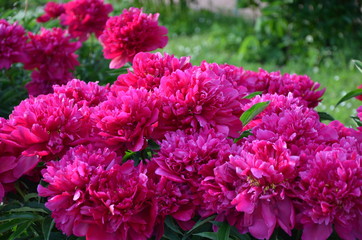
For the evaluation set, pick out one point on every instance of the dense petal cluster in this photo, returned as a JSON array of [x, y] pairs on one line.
[[12, 43], [330, 192], [127, 119], [91, 194], [83, 17], [46, 126], [195, 99], [52, 10], [130, 33], [52, 58], [148, 69]]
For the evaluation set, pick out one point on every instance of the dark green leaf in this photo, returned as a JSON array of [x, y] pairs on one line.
[[28, 209], [242, 135], [236, 234], [209, 235], [47, 227], [325, 116], [171, 224], [250, 114], [350, 95], [6, 226], [19, 216], [224, 232], [19, 230], [357, 121], [251, 95], [200, 223]]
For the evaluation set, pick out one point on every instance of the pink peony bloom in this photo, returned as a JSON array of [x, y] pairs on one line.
[[84, 17], [266, 169], [51, 57], [195, 99], [148, 69], [90, 94], [91, 195], [359, 115], [12, 43], [329, 192], [301, 87], [52, 10], [130, 33], [46, 126], [127, 119]]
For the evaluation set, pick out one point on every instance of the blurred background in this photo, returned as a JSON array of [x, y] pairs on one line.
[[319, 38]]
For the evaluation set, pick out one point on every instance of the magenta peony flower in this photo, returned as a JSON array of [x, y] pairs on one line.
[[46, 126], [52, 10], [302, 87], [91, 195], [148, 69], [51, 57], [130, 33], [359, 115], [12, 43], [84, 17], [329, 192], [127, 119], [195, 99], [90, 94]]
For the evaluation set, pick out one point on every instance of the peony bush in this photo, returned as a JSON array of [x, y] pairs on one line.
[[168, 150]]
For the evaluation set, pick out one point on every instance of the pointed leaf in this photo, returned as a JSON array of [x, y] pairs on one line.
[[325, 116], [200, 223], [47, 227], [350, 95], [251, 95], [358, 64], [209, 235], [243, 134], [19, 230], [251, 113], [171, 224], [224, 232]]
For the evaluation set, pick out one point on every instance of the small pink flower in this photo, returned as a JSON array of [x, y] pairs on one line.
[[52, 10], [329, 192], [148, 69], [266, 169], [130, 33], [12, 44], [91, 195], [127, 119], [84, 17]]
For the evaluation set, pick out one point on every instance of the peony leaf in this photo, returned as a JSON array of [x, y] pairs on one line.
[[200, 223], [251, 95], [223, 232], [20, 228], [358, 64], [325, 116], [243, 134], [250, 114], [10, 224], [350, 95], [28, 209], [47, 226], [357, 121], [171, 224], [209, 235]]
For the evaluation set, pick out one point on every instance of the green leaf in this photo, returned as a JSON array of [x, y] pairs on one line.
[[6, 226], [236, 234], [47, 227], [350, 95], [357, 121], [250, 114], [19, 216], [245, 133], [251, 95], [325, 116], [171, 224], [209, 235], [224, 232], [358, 64], [29, 196], [28, 209], [200, 223], [19, 230], [128, 155]]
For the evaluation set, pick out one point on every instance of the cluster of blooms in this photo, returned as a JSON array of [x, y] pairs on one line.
[[292, 172], [81, 17]]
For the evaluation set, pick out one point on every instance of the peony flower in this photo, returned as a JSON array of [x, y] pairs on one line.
[[127, 119], [329, 192], [51, 57], [130, 33], [46, 126], [301, 87], [84, 17], [90, 94], [148, 69], [195, 99], [52, 10], [359, 97], [91, 195], [266, 171], [12, 43]]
